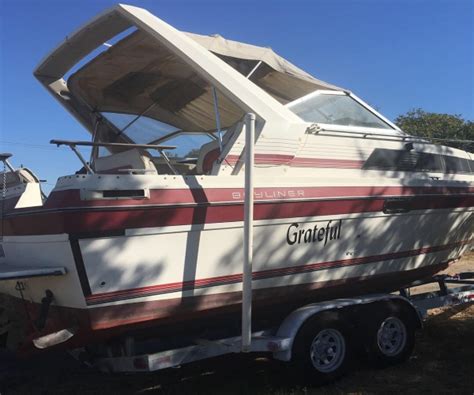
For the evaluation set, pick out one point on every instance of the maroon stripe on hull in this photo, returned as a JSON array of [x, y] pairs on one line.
[[119, 218], [71, 198], [265, 274], [327, 163], [294, 295], [291, 160]]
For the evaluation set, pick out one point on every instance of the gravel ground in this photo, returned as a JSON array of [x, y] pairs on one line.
[[442, 362]]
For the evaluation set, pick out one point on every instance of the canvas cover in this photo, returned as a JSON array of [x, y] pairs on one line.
[[138, 75]]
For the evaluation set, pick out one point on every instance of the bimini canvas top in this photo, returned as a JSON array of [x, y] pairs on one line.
[[280, 78], [139, 75]]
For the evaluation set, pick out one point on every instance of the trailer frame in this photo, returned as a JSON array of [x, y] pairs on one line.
[[278, 342]]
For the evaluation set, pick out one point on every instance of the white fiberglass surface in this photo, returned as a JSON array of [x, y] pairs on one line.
[[336, 109]]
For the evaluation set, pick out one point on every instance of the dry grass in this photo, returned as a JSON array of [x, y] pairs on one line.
[[443, 362]]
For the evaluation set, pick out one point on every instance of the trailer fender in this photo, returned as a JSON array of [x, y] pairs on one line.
[[295, 320]]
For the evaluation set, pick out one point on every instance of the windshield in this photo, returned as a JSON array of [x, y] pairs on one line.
[[140, 129], [187, 145], [145, 130], [335, 109]]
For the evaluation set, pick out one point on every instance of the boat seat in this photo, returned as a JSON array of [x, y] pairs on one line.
[[133, 159], [208, 154]]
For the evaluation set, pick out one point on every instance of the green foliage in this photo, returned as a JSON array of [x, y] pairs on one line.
[[444, 126]]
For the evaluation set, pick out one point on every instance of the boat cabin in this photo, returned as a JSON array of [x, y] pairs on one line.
[[161, 102]]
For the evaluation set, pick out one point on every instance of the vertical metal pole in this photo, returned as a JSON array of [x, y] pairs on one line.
[[218, 118], [248, 234]]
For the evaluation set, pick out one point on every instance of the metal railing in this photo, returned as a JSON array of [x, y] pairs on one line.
[[74, 144]]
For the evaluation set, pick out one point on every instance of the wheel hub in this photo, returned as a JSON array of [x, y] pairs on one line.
[[328, 350], [391, 336]]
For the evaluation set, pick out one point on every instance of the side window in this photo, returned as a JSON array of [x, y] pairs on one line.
[[401, 160], [387, 159], [381, 159], [407, 160], [456, 165], [429, 162]]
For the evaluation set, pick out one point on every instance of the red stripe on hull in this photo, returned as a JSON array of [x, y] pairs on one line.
[[291, 160], [178, 308], [265, 274], [120, 218], [71, 198]]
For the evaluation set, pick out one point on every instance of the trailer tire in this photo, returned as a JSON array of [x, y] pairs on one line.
[[390, 336], [322, 350]]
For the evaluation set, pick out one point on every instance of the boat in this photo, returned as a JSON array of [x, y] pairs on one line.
[[146, 237]]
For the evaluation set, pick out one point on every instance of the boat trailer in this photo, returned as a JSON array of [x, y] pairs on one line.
[[279, 341]]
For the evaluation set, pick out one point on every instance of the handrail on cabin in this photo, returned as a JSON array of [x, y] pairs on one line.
[[99, 144], [318, 130]]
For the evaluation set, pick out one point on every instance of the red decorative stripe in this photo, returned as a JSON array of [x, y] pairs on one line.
[[327, 163], [264, 274], [118, 218], [72, 198], [291, 160], [199, 309], [262, 159]]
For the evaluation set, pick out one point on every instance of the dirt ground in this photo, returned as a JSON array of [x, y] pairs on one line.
[[442, 362]]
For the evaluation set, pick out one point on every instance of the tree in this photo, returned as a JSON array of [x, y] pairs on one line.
[[443, 126]]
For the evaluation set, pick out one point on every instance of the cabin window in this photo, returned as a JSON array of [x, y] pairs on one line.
[[386, 159], [456, 165], [402, 160], [429, 162], [336, 110]]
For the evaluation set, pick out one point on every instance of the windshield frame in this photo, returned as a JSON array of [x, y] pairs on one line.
[[335, 127]]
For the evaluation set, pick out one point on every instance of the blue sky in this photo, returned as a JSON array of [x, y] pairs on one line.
[[396, 55]]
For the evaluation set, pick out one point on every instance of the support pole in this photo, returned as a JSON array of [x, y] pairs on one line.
[[81, 158], [218, 118], [248, 234]]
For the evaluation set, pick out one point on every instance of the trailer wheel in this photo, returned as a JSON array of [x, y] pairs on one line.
[[321, 350], [391, 337]]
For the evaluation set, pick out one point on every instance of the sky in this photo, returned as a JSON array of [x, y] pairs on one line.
[[395, 54]]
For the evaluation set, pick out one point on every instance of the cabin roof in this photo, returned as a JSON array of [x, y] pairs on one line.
[[140, 75]]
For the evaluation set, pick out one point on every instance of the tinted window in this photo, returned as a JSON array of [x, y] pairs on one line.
[[386, 159], [456, 165], [429, 162], [401, 160]]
